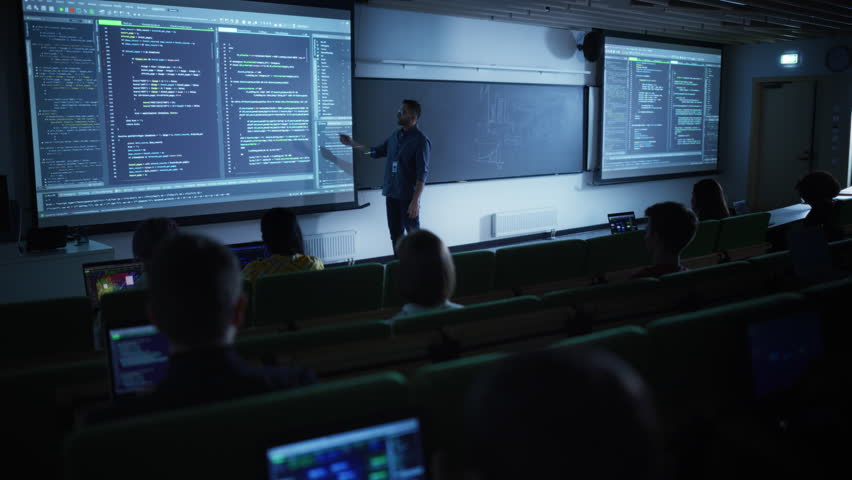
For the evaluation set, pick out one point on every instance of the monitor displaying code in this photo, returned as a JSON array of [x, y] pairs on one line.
[[141, 110], [660, 109]]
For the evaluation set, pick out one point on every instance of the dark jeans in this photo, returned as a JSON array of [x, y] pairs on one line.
[[398, 219]]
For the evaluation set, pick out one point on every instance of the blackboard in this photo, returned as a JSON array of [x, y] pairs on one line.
[[478, 130]]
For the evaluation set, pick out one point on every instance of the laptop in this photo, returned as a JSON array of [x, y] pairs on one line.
[[391, 450], [138, 358], [622, 222], [112, 276], [248, 252], [782, 350]]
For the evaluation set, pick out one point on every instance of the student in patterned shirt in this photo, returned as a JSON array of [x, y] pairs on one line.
[[283, 239]]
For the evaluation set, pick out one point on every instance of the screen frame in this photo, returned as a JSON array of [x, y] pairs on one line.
[[598, 169], [307, 431], [183, 220]]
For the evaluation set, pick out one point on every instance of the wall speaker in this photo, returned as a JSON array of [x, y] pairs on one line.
[[592, 46]]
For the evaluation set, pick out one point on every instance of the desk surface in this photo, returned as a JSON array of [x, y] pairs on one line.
[[9, 253]]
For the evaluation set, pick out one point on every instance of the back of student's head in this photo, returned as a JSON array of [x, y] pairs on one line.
[[195, 290], [281, 233], [149, 233], [818, 187], [708, 200], [561, 414], [427, 275], [672, 224]]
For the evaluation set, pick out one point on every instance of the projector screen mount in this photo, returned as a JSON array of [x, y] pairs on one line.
[[200, 111], [659, 110]]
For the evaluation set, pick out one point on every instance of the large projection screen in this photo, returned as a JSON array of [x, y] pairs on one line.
[[140, 110], [660, 112]]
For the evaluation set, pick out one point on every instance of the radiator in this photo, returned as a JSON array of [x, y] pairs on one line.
[[332, 247], [507, 224]]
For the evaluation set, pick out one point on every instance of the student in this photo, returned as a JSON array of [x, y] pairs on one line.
[[708, 200], [818, 190], [147, 236], [561, 414], [671, 227], [196, 301], [427, 276], [282, 236]]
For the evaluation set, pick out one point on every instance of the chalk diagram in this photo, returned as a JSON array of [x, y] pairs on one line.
[[497, 138]]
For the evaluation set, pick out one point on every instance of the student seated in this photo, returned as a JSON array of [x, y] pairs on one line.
[[427, 276], [282, 237], [561, 414], [708, 200], [148, 234], [196, 301], [818, 190], [671, 226]]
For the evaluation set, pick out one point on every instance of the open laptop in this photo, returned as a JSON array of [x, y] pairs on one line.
[[112, 276], [622, 222], [391, 450], [782, 351], [248, 252], [138, 358]]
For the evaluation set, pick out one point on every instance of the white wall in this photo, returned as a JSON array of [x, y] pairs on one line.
[[459, 212], [741, 65]]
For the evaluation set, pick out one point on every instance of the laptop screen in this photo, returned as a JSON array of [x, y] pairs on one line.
[[782, 350], [622, 222], [388, 451], [138, 357], [248, 252], [106, 277]]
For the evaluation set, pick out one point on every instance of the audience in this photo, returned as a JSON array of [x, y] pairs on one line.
[[427, 276], [282, 236], [147, 236], [818, 190], [561, 413], [708, 200], [671, 227], [200, 319]]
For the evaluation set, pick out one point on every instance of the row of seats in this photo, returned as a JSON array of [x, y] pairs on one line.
[[697, 364], [592, 306]]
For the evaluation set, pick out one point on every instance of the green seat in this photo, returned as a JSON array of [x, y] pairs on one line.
[[227, 440], [288, 298], [542, 262], [717, 284], [46, 328], [474, 276], [742, 231], [699, 362], [630, 343], [125, 308], [431, 321], [831, 299], [328, 350], [613, 253], [841, 254], [777, 268], [39, 410], [249, 293], [705, 240], [439, 393], [632, 300], [843, 214]]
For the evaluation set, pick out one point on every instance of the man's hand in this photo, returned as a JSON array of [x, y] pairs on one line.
[[414, 208], [346, 139]]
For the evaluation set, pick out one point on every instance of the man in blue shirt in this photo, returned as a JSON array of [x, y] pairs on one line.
[[407, 166]]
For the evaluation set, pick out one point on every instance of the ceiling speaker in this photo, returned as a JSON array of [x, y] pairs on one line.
[[592, 46]]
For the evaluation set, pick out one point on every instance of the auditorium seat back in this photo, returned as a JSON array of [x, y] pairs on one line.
[[542, 262], [617, 253], [39, 330]]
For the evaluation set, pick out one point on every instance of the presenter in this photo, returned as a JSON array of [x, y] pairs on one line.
[[406, 168]]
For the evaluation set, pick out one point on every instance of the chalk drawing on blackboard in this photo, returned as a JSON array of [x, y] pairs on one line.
[[497, 141]]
